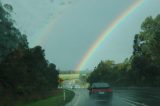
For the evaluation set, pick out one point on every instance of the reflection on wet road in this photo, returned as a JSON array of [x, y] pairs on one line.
[[121, 97]]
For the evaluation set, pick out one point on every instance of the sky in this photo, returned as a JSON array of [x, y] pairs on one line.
[[67, 28]]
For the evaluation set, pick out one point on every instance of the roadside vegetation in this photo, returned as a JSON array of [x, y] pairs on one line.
[[56, 100], [25, 74], [142, 68]]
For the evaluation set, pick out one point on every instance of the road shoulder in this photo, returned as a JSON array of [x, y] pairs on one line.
[[74, 100]]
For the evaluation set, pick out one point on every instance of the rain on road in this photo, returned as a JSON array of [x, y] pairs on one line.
[[121, 97]]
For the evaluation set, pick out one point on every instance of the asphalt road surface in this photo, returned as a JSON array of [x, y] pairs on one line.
[[121, 97]]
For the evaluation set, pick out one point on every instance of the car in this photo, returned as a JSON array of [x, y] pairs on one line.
[[100, 91]]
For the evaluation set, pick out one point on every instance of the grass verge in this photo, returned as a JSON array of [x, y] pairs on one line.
[[57, 100], [69, 76]]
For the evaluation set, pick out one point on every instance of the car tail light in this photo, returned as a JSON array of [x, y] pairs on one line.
[[102, 90], [108, 90], [95, 90]]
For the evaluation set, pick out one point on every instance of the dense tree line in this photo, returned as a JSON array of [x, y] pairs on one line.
[[143, 67], [24, 71]]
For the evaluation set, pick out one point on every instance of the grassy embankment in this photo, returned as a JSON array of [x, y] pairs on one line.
[[69, 76], [76, 78], [57, 100]]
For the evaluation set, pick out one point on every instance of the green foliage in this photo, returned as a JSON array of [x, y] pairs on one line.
[[56, 100], [143, 68], [108, 71], [146, 54], [10, 37], [24, 71]]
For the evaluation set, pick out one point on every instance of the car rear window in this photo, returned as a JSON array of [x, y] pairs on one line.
[[100, 85]]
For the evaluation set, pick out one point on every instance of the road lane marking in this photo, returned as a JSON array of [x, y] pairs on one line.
[[134, 102], [80, 96], [131, 104], [157, 97], [77, 100]]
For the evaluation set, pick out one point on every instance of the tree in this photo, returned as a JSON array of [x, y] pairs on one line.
[[146, 54], [24, 71], [102, 72], [10, 37]]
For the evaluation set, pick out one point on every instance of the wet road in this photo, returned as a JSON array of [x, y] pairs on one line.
[[121, 97]]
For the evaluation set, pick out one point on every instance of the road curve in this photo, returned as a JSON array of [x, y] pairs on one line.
[[121, 97]]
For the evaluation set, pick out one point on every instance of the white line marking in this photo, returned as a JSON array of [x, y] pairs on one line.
[[77, 100], [156, 97], [137, 103], [130, 103]]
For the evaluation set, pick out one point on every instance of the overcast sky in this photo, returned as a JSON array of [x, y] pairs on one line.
[[75, 26]]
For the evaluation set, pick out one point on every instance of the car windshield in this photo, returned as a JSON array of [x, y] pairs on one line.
[[79, 52]]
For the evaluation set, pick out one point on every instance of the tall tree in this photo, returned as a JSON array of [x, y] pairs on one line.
[[146, 55], [10, 36]]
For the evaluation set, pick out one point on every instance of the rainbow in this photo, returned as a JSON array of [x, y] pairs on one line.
[[107, 32], [41, 37], [44, 32]]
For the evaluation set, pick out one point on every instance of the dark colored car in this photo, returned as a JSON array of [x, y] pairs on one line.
[[100, 91]]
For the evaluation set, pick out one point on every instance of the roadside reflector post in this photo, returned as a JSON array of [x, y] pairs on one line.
[[64, 95]]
